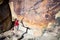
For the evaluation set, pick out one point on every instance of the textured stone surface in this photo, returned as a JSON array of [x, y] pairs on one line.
[[36, 20], [52, 33], [35, 14]]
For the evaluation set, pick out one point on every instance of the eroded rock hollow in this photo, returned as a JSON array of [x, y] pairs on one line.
[[35, 14]]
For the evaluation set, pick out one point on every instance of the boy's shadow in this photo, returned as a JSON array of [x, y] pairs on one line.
[[58, 20]]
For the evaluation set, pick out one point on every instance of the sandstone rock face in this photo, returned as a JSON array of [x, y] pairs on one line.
[[35, 14]]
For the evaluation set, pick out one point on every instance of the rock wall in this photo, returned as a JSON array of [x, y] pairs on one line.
[[5, 16], [35, 14]]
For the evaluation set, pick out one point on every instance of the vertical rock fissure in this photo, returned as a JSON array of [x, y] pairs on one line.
[[27, 28]]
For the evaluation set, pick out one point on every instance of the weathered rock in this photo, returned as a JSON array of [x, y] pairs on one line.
[[36, 14]]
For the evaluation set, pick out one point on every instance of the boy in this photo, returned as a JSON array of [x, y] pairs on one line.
[[16, 25]]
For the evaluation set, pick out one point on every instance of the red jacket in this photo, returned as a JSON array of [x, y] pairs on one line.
[[16, 23]]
